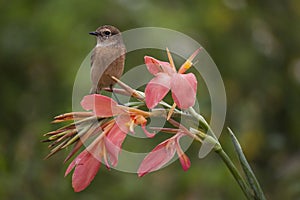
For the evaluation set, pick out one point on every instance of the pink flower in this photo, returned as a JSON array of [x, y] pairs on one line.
[[183, 86], [86, 168], [105, 147], [162, 154], [108, 144], [126, 118]]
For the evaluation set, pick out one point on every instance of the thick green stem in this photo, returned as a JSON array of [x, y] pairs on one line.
[[247, 169], [219, 150], [245, 188]]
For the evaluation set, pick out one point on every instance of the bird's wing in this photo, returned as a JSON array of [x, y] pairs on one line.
[[92, 57]]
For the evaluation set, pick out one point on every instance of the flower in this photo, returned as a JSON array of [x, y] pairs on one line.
[[126, 118], [162, 154], [108, 144], [183, 86], [86, 168], [105, 147]]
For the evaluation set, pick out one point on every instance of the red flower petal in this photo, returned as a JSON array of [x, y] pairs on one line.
[[113, 143], [158, 157], [184, 160], [154, 65], [157, 89], [184, 87], [102, 106], [86, 168], [72, 165]]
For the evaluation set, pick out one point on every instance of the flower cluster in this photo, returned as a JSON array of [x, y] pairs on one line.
[[105, 125]]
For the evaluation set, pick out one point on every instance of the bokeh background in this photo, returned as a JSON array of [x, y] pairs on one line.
[[255, 44]]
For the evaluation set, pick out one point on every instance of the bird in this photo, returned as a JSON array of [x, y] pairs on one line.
[[107, 58]]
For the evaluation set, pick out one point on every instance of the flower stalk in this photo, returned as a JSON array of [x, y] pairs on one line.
[[237, 176]]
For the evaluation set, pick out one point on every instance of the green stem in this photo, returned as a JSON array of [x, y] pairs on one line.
[[247, 169], [219, 150], [199, 117], [202, 121], [245, 188]]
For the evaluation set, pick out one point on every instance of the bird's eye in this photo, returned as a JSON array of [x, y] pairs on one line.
[[107, 33]]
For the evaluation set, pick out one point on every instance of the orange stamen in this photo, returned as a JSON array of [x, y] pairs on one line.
[[188, 63], [139, 112]]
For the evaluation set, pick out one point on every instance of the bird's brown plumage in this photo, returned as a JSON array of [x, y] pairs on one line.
[[108, 58]]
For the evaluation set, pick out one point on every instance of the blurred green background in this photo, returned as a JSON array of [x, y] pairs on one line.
[[256, 46]]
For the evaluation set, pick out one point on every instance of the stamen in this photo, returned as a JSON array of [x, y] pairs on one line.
[[139, 112], [171, 111], [188, 63], [171, 59]]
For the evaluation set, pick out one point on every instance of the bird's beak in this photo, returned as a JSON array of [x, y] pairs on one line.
[[93, 33]]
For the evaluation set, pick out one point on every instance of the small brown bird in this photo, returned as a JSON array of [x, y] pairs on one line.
[[108, 58]]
